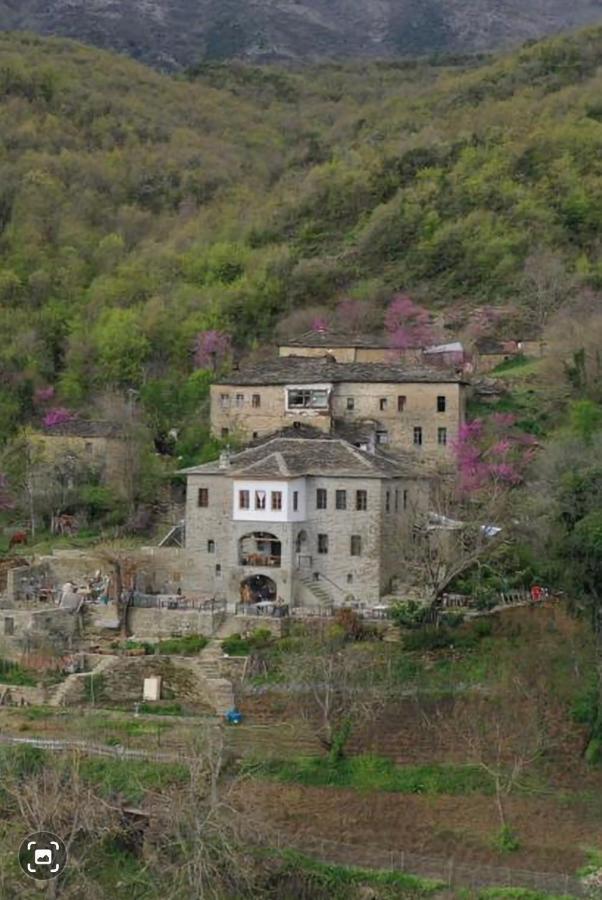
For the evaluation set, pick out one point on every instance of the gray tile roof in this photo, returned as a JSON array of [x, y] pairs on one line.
[[294, 454], [327, 339], [305, 370]]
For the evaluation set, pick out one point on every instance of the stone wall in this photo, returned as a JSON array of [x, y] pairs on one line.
[[153, 624], [22, 695]]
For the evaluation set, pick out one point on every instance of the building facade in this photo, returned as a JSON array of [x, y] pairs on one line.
[[418, 410], [301, 519]]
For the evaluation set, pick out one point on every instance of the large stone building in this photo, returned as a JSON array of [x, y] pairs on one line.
[[417, 409], [302, 517]]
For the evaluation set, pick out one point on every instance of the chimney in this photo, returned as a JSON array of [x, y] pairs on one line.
[[224, 459]]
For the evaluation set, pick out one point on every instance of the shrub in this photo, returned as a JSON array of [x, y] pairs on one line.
[[506, 841], [235, 645], [189, 645]]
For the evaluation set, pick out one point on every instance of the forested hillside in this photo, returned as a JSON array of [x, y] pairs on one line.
[[137, 210]]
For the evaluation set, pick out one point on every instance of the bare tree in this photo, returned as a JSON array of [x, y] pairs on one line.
[[546, 285], [338, 687], [123, 564]]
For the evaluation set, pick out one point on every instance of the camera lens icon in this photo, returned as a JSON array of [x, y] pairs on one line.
[[43, 855]]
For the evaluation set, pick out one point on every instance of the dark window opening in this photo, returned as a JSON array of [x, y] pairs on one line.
[[322, 543], [341, 500], [321, 498], [441, 404], [203, 497], [418, 436], [356, 545], [361, 500]]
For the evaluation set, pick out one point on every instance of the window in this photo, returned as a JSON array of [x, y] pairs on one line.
[[321, 498], [9, 625], [225, 432], [361, 500], [244, 500], [295, 501], [383, 403], [322, 543], [388, 501], [442, 437], [218, 569], [259, 499], [255, 434], [396, 500], [307, 398], [276, 500], [224, 401], [405, 499], [210, 546], [203, 497], [256, 401], [89, 448], [441, 404], [382, 436], [417, 436], [240, 400], [401, 403], [341, 500], [349, 578], [350, 403], [356, 545]]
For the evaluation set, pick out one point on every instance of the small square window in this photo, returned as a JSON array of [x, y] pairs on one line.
[[244, 500], [240, 400], [350, 403], [89, 448], [401, 403], [322, 543], [321, 498], [224, 401], [218, 569], [203, 497], [276, 500], [210, 546], [256, 401], [255, 434], [341, 500], [9, 625], [382, 436], [259, 499], [418, 436], [442, 437], [383, 403], [224, 433], [349, 578], [441, 404], [356, 545], [361, 500]]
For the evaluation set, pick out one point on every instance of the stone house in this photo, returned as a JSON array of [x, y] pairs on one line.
[[302, 517], [98, 445], [348, 348], [409, 409]]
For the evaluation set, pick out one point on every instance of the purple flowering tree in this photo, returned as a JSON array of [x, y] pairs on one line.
[[212, 349], [408, 325], [57, 416], [320, 324], [43, 395], [472, 515]]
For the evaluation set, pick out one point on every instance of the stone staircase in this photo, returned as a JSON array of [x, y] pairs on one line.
[[75, 683], [322, 595], [207, 666]]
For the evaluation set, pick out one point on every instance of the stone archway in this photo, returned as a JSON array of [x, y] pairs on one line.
[[257, 588]]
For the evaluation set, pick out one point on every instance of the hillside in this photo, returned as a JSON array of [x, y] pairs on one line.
[[175, 33], [137, 210]]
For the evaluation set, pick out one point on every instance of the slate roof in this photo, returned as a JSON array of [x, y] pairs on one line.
[[86, 428], [294, 453], [305, 370], [327, 339]]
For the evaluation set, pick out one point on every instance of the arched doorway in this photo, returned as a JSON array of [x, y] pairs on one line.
[[258, 589]]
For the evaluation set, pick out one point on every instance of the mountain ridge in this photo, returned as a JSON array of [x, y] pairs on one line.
[[174, 34]]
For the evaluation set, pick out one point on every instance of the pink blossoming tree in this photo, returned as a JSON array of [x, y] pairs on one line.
[[408, 325], [57, 416], [44, 394], [320, 324], [492, 454], [212, 349]]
